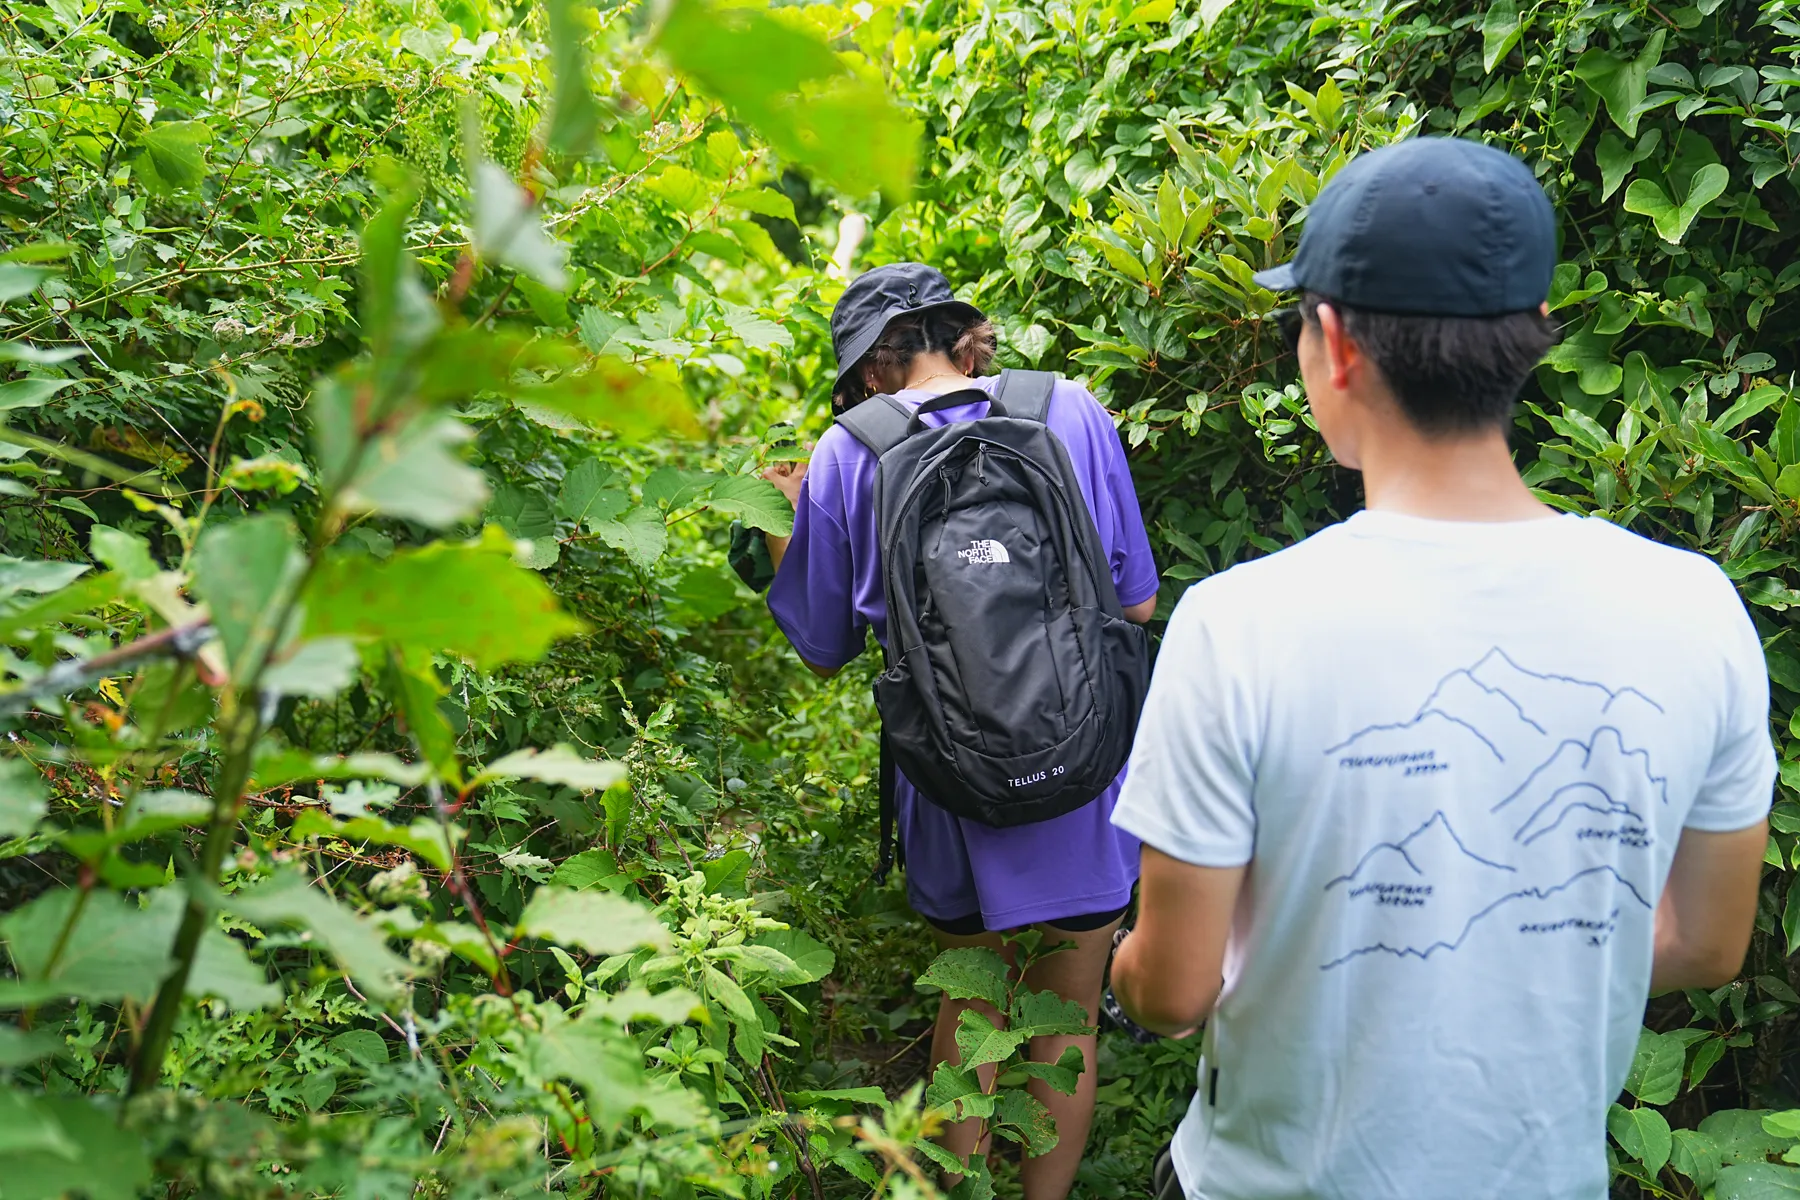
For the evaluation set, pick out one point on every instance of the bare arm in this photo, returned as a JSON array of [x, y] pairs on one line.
[[1141, 611], [1168, 971], [1708, 907]]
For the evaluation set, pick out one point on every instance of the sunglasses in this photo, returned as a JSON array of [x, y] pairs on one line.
[[1290, 323]]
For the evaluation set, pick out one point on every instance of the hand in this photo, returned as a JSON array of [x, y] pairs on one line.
[[787, 477]]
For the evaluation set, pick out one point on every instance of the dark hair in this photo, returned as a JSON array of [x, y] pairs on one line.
[[969, 344], [1450, 374]]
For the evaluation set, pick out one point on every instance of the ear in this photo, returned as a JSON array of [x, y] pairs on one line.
[[1342, 355]]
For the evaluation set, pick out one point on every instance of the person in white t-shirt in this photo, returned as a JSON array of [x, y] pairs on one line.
[[1433, 800]]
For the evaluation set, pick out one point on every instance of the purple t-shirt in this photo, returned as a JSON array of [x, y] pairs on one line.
[[827, 594]]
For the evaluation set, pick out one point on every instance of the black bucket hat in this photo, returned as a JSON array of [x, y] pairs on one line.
[[876, 297]]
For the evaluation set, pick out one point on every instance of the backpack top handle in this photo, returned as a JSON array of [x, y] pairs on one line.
[[956, 399]]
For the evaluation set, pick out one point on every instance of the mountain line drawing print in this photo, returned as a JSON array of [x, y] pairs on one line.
[[1519, 801]]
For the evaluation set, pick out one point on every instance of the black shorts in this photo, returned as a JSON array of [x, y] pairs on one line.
[[972, 924]]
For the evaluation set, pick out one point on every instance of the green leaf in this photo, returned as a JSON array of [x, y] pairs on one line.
[[1087, 174], [365, 1046], [609, 1069], [1641, 1133], [1212, 10], [507, 230], [559, 764], [799, 95], [810, 957], [526, 515], [1740, 1137], [245, 570], [1672, 220], [982, 1042], [1021, 1117], [320, 669], [597, 868], [1042, 1014], [465, 599], [676, 1006], [113, 950], [109, 1162], [222, 967], [22, 798], [641, 535], [273, 768], [27, 575], [587, 496], [174, 156], [764, 202], [413, 474], [755, 501], [27, 1126], [1748, 405], [1619, 81], [1616, 160], [610, 393], [1151, 12], [573, 114], [1588, 356], [1500, 29], [29, 393], [598, 922], [1063, 1075], [18, 1046], [1757, 1181], [286, 898], [1696, 1156], [953, 1086], [1656, 1068], [424, 837], [759, 333], [969, 973], [18, 280]]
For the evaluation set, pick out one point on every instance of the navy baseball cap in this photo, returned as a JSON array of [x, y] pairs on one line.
[[876, 297], [1435, 226]]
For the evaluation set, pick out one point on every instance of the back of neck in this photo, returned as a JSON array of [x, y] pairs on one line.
[[1463, 478]]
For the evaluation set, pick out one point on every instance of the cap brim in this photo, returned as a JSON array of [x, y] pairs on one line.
[[1277, 279], [866, 340]]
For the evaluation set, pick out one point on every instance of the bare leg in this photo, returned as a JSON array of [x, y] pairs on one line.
[[1075, 974]]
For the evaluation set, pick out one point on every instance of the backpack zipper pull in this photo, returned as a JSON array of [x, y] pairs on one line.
[[981, 464]]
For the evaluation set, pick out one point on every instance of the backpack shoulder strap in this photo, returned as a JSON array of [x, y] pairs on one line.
[[880, 423], [1026, 394]]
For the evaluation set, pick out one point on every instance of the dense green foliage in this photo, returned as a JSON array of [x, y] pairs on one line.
[[493, 841]]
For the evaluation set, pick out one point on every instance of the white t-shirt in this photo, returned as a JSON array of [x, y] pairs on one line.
[[1458, 758]]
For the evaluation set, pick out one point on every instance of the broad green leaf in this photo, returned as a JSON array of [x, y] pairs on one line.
[[274, 767], [797, 93], [526, 515], [959, 1087], [109, 1162], [1212, 10], [969, 973], [466, 599], [588, 495], [1086, 173], [981, 1042], [1740, 1137], [22, 798], [29, 393], [17, 279], [609, 393], [414, 474], [1785, 441], [27, 575], [174, 155], [222, 967], [609, 1069], [810, 956], [152, 813], [28, 1126], [1149, 13], [1063, 1075], [507, 230], [676, 1006], [287, 898], [765, 202], [854, 1095], [1616, 160], [573, 114], [1046, 1014], [424, 837], [126, 553], [417, 692], [113, 950], [363, 1046], [1656, 1068], [1748, 405], [759, 333], [598, 868], [1588, 356], [673, 487], [1695, 1155], [1672, 220], [755, 501], [319, 668], [1757, 1181], [596, 921], [245, 570], [640, 535], [559, 764], [1641, 1133], [1784, 1124], [1500, 29], [1619, 81], [19, 1046], [1021, 1117]]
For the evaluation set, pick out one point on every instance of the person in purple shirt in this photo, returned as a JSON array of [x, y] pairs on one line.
[[898, 330]]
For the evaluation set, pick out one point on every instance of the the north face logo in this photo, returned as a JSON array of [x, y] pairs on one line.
[[984, 550]]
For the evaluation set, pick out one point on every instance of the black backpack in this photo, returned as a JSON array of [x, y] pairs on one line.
[[1014, 681]]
